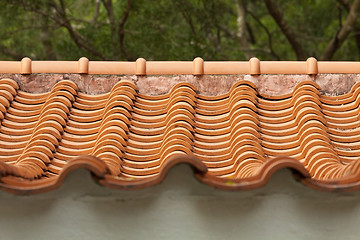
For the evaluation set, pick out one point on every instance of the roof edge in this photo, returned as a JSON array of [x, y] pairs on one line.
[[196, 67]]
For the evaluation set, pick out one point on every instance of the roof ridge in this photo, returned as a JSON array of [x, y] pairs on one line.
[[196, 67]]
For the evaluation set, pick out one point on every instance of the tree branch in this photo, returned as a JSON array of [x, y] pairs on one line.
[[60, 18], [343, 33], [96, 13], [347, 6], [272, 51], [110, 12], [340, 16], [80, 41], [189, 20], [276, 13], [121, 31]]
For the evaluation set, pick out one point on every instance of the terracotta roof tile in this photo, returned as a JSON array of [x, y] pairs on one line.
[[196, 67], [130, 140]]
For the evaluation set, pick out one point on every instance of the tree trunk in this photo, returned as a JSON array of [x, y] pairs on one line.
[[343, 33], [242, 29]]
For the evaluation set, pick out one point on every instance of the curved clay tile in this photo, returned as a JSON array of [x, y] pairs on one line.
[[130, 140]]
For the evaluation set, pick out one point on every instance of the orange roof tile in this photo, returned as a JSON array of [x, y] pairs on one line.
[[130, 140]]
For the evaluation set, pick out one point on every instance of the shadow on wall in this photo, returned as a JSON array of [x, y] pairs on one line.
[[180, 208]]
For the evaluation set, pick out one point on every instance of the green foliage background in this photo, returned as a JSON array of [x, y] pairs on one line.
[[170, 29]]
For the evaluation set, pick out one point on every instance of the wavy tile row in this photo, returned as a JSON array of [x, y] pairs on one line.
[[129, 140]]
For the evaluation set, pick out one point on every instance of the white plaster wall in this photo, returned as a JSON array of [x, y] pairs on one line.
[[180, 208]]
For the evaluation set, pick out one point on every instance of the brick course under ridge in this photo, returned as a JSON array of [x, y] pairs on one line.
[[211, 85]]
